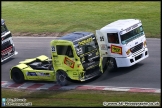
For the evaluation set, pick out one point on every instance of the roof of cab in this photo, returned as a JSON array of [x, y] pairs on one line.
[[120, 24], [74, 36]]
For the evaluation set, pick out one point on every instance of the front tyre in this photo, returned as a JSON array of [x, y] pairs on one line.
[[111, 63], [17, 75], [61, 78]]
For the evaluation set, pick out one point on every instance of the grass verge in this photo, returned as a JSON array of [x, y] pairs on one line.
[[41, 17], [79, 98]]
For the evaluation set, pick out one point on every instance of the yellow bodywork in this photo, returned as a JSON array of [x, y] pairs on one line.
[[72, 66]]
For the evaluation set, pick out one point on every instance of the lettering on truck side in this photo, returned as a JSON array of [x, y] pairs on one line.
[[85, 41]]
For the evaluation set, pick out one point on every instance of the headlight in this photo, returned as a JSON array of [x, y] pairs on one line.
[[144, 43], [128, 51]]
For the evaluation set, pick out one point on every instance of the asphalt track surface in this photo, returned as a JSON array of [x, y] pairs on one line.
[[146, 74]]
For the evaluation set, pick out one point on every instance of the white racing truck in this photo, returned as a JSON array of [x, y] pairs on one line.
[[7, 45], [122, 43]]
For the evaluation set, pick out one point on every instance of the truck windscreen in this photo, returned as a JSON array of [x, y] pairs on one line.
[[131, 35]]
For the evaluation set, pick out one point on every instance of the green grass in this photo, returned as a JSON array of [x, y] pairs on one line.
[[78, 98], [53, 16]]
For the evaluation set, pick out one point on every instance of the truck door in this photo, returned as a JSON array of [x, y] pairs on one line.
[[63, 55], [108, 44], [114, 48]]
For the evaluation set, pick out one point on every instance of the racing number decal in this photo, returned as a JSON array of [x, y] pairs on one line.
[[101, 38], [116, 49], [69, 62]]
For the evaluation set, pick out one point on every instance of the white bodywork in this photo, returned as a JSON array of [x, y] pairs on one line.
[[136, 43]]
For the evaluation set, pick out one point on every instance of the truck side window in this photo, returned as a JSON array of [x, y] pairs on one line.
[[69, 52], [64, 50], [113, 38]]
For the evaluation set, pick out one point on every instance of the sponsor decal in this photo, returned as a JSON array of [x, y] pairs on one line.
[[103, 47], [43, 74], [136, 43], [79, 51], [83, 42], [116, 49], [75, 73], [53, 49], [31, 74], [132, 27], [91, 63], [37, 74], [69, 62], [92, 66]]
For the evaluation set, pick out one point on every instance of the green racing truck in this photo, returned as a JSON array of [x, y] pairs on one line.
[[74, 56]]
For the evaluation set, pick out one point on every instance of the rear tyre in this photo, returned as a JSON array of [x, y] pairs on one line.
[[61, 78], [17, 75]]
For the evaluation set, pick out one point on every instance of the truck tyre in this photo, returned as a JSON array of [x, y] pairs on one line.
[[61, 78], [111, 64], [17, 75]]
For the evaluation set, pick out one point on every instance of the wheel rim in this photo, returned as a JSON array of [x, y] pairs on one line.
[[110, 64], [61, 78]]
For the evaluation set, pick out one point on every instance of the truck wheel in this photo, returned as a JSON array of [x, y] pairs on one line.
[[61, 78], [17, 76], [111, 64]]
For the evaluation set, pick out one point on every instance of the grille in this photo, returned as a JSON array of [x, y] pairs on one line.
[[5, 45], [136, 48], [6, 51]]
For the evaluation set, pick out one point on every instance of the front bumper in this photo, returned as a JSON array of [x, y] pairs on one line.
[[8, 56], [129, 61]]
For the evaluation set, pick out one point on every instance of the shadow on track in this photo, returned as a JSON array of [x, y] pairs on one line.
[[109, 74]]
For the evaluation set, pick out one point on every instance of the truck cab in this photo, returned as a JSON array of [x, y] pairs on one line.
[[7, 45], [122, 43], [76, 56]]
